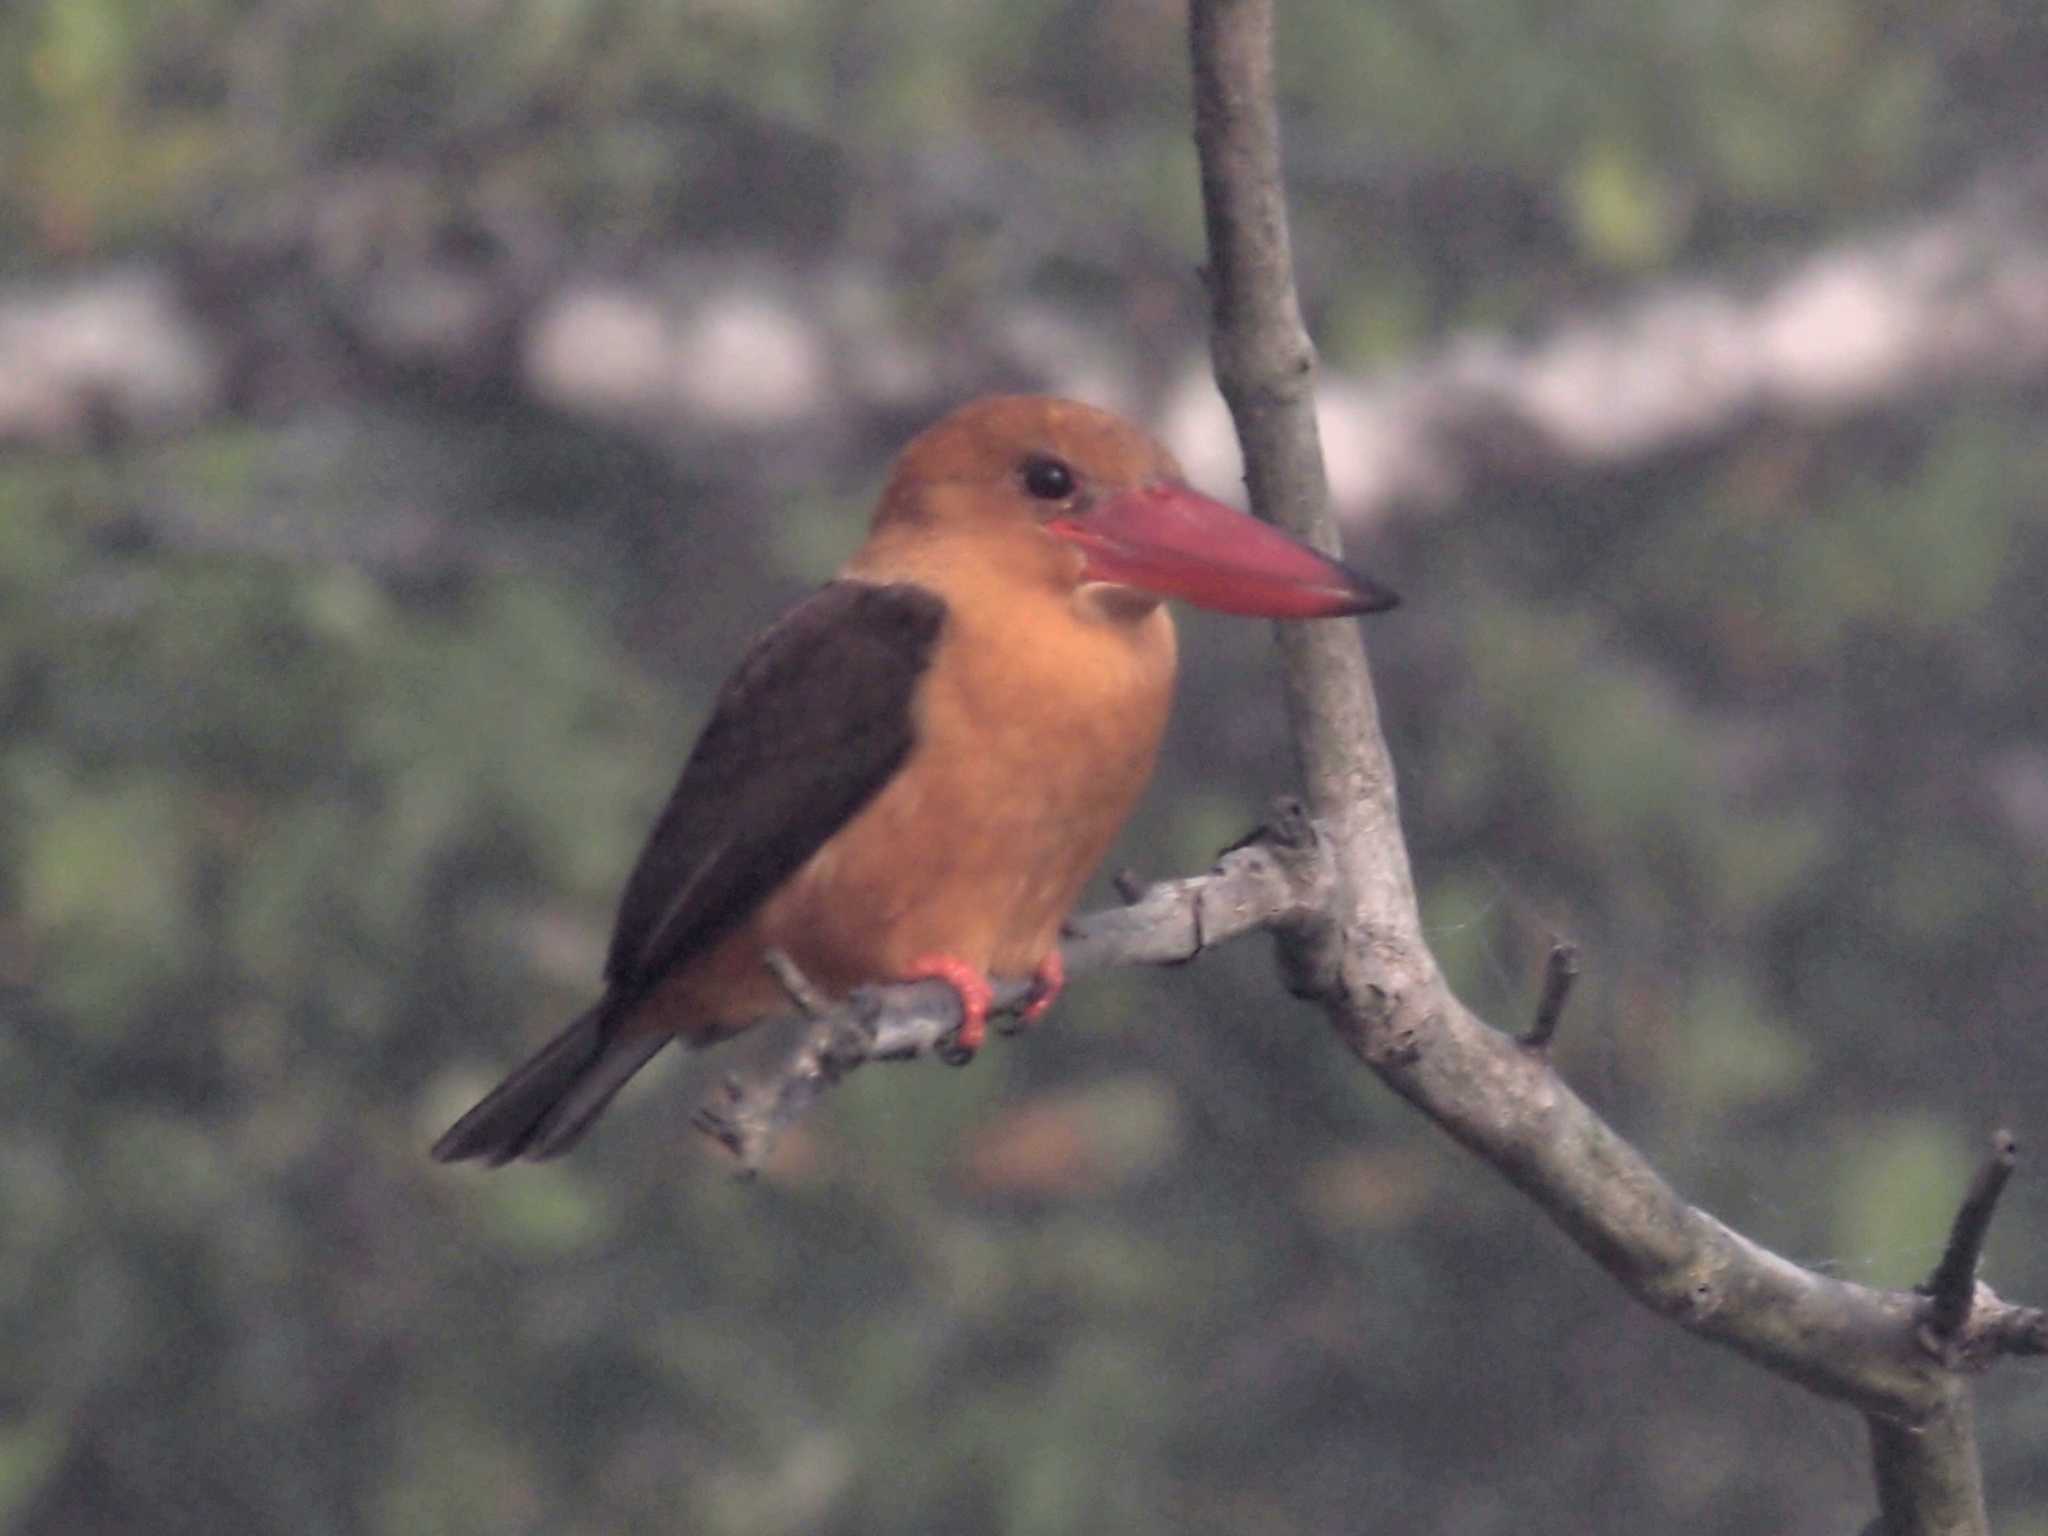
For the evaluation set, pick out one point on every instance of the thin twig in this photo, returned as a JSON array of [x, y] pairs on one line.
[[1953, 1286], [1560, 970], [796, 986]]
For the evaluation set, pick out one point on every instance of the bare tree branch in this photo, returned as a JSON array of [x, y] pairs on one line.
[[1278, 879], [1928, 1478], [1265, 367], [1386, 996]]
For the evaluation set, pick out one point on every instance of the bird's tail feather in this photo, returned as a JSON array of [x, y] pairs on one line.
[[546, 1105]]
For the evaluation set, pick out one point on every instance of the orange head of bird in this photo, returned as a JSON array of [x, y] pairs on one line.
[[1085, 498]]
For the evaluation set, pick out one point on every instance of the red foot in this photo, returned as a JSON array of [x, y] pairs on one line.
[[1046, 984], [972, 988]]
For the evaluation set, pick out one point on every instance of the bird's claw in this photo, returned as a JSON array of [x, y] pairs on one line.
[[972, 988], [1047, 982]]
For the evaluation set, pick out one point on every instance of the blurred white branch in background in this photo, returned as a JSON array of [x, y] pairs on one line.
[[1950, 301], [122, 344], [1947, 301]]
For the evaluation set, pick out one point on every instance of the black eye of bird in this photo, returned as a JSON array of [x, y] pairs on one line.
[[1047, 479]]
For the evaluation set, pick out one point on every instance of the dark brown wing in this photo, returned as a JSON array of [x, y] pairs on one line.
[[805, 733], [811, 726]]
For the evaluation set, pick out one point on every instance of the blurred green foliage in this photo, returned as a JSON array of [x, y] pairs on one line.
[[298, 850]]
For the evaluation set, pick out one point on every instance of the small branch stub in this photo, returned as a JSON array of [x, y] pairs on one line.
[[1952, 1288], [1560, 970], [796, 986]]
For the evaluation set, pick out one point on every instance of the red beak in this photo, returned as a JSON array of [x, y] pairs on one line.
[[1175, 542]]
